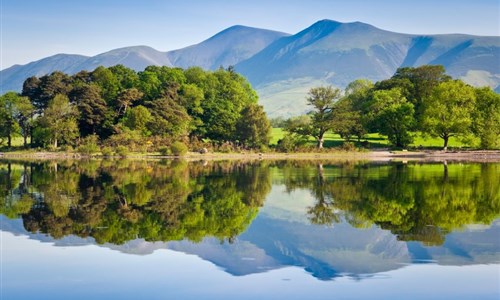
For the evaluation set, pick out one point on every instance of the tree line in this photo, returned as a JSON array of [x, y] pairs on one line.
[[118, 106], [422, 99], [119, 200]]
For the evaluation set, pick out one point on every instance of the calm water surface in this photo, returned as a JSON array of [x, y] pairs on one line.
[[265, 230]]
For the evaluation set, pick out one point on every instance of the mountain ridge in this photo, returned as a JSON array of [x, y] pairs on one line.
[[283, 67]]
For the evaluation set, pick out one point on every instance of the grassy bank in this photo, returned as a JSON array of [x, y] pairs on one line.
[[375, 140]]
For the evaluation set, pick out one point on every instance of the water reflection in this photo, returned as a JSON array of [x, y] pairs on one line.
[[331, 219]]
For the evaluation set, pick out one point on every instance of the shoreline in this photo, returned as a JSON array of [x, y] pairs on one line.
[[376, 155]]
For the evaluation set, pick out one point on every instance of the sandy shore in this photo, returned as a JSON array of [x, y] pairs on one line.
[[378, 155]]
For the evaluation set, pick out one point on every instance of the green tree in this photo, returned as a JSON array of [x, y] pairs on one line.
[[486, 118], [24, 111], [107, 82], [169, 119], [92, 109], [448, 110], [322, 100], [138, 118], [43, 90], [126, 98], [60, 121], [391, 114], [226, 95], [8, 123], [253, 128]]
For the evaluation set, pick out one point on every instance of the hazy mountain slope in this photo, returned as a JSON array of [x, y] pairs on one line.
[[282, 67], [12, 78], [137, 58], [226, 48], [330, 52]]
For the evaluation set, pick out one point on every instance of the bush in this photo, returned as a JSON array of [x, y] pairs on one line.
[[291, 143], [89, 145], [348, 146], [122, 151], [107, 151], [164, 151], [178, 149]]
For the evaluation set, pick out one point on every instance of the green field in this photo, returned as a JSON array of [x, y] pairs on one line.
[[375, 140]]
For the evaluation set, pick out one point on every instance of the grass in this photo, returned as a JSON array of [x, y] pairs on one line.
[[375, 140]]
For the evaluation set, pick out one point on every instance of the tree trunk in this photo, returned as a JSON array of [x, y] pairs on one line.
[[55, 143], [25, 137], [445, 146], [320, 141], [9, 140]]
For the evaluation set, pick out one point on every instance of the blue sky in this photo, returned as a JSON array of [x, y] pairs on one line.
[[33, 29]]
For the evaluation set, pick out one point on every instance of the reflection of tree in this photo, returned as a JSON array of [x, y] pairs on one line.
[[117, 201], [415, 201]]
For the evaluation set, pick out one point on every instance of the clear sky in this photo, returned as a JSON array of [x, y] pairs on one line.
[[33, 29]]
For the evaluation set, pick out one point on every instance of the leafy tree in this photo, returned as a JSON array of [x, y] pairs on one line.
[[126, 98], [169, 119], [107, 82], [46, 88], [92, 109], [486, 118], [191, 97], [392, 114], [138, 119], [226, 95], [150, 85], [322, 100], [126, 77], [24, 111], [8, 123], [253, 128], [59, 121], [347, 121], [448, 110]]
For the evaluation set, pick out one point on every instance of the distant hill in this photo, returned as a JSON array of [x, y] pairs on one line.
[[12, 78], [282, 67], [226, 48], [330, 52], [137, 58]]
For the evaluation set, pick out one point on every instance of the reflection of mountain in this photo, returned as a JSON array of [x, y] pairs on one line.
[[215, 211], [325, 252]]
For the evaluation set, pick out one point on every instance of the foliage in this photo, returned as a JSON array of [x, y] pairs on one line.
[[178, 149], [486, 118], [107, 151], [391, 114], [160, 103], [58, 124], [322, 100], [253, 128], [118, 201], [122, 151], [448, 110], [89, 145]]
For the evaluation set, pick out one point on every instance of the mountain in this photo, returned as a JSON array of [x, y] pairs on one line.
[[226, 48], [330, 52], [282, 68], [12, 78], [137, 58]]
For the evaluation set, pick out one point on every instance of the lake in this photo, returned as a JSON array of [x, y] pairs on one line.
[[171, 229]]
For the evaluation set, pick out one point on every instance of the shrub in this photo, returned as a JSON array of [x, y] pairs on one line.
[[107, 151], [178, 149], [164, 150], [122, 151], [89, 145], [348, 146]]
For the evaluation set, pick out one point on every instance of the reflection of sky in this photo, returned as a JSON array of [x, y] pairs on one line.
[[34, 270]]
